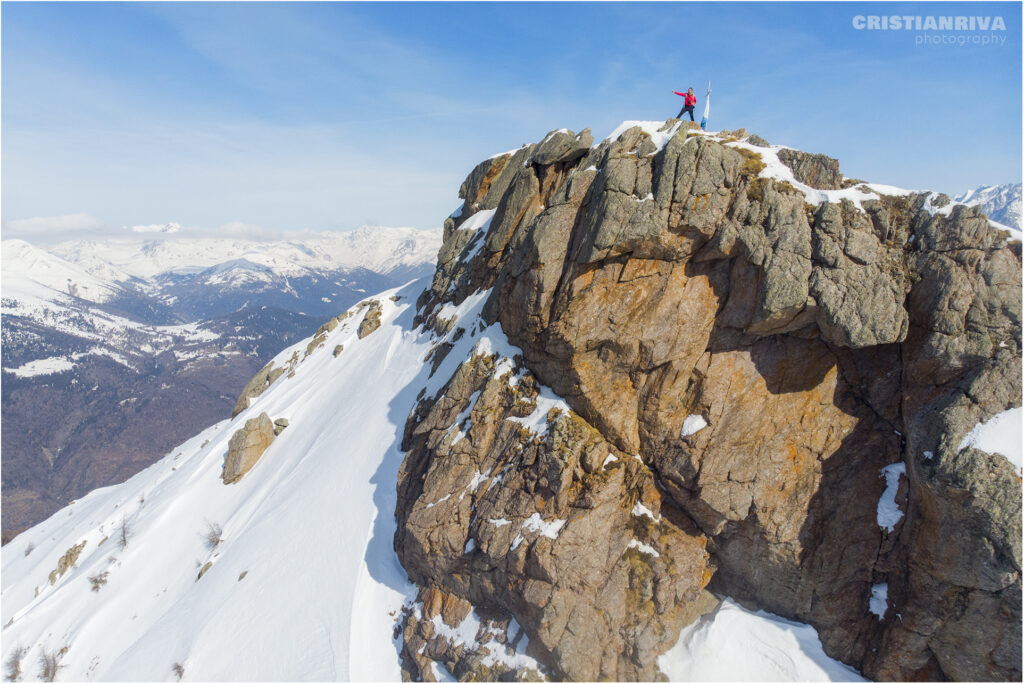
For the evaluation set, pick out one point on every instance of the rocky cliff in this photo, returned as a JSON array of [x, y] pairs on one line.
[[727, 355]]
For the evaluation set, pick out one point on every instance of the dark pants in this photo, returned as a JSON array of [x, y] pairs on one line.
[[688, 109]]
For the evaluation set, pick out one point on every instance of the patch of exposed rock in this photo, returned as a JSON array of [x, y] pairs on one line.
[[765, 358], [371, 321], [246, 447], [259, 383], [279, 425], [815, 170], [321, 334], [66, 562]]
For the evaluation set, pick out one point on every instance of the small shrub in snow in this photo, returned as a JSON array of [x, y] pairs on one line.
[[213, 536], [49, 665], [124, 532], [98, 580], [12, 666], [178, 670]]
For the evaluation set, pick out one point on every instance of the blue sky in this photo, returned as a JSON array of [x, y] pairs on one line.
[[262, 118]]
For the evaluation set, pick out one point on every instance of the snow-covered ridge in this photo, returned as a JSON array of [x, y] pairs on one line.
[[775, 169], [655, 129], [34, 274], [379, 249], [121, 339]]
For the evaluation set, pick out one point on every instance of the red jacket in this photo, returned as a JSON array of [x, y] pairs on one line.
[[691, 100]]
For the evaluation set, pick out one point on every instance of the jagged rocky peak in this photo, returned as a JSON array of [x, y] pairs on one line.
[[730, 370]]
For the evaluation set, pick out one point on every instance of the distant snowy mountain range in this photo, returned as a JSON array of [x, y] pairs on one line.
[[388, 251], [115, 350], [1002, 203]]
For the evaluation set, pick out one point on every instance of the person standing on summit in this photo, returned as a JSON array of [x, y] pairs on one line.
[[689, 102]]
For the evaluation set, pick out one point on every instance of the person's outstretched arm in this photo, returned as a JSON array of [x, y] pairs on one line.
[[679, 93]]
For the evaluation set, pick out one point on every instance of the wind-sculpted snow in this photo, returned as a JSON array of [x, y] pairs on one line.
[[736, 644]]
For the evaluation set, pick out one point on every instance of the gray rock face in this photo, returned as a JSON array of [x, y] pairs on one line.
[[859, 283], [815, 170], [562, 146], [371, 320], [279, 425], [246, 447], [259, 383], [818, 344]]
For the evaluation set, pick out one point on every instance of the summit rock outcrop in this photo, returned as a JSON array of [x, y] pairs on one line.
[[719, 347]]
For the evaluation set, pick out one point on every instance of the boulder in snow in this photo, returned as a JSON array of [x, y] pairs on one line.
[[246, 447], [371, 321]]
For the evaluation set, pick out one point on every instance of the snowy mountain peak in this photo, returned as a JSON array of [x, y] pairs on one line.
[[1001, 203]]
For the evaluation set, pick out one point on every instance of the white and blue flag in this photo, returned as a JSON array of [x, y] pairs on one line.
[[707, 110]]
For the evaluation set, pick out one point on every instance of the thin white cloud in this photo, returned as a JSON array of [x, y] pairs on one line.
[[46, 225]]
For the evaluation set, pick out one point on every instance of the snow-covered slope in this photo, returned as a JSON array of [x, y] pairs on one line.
[[1001, 203], [305, 584], [32, 274], [302, 527]]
